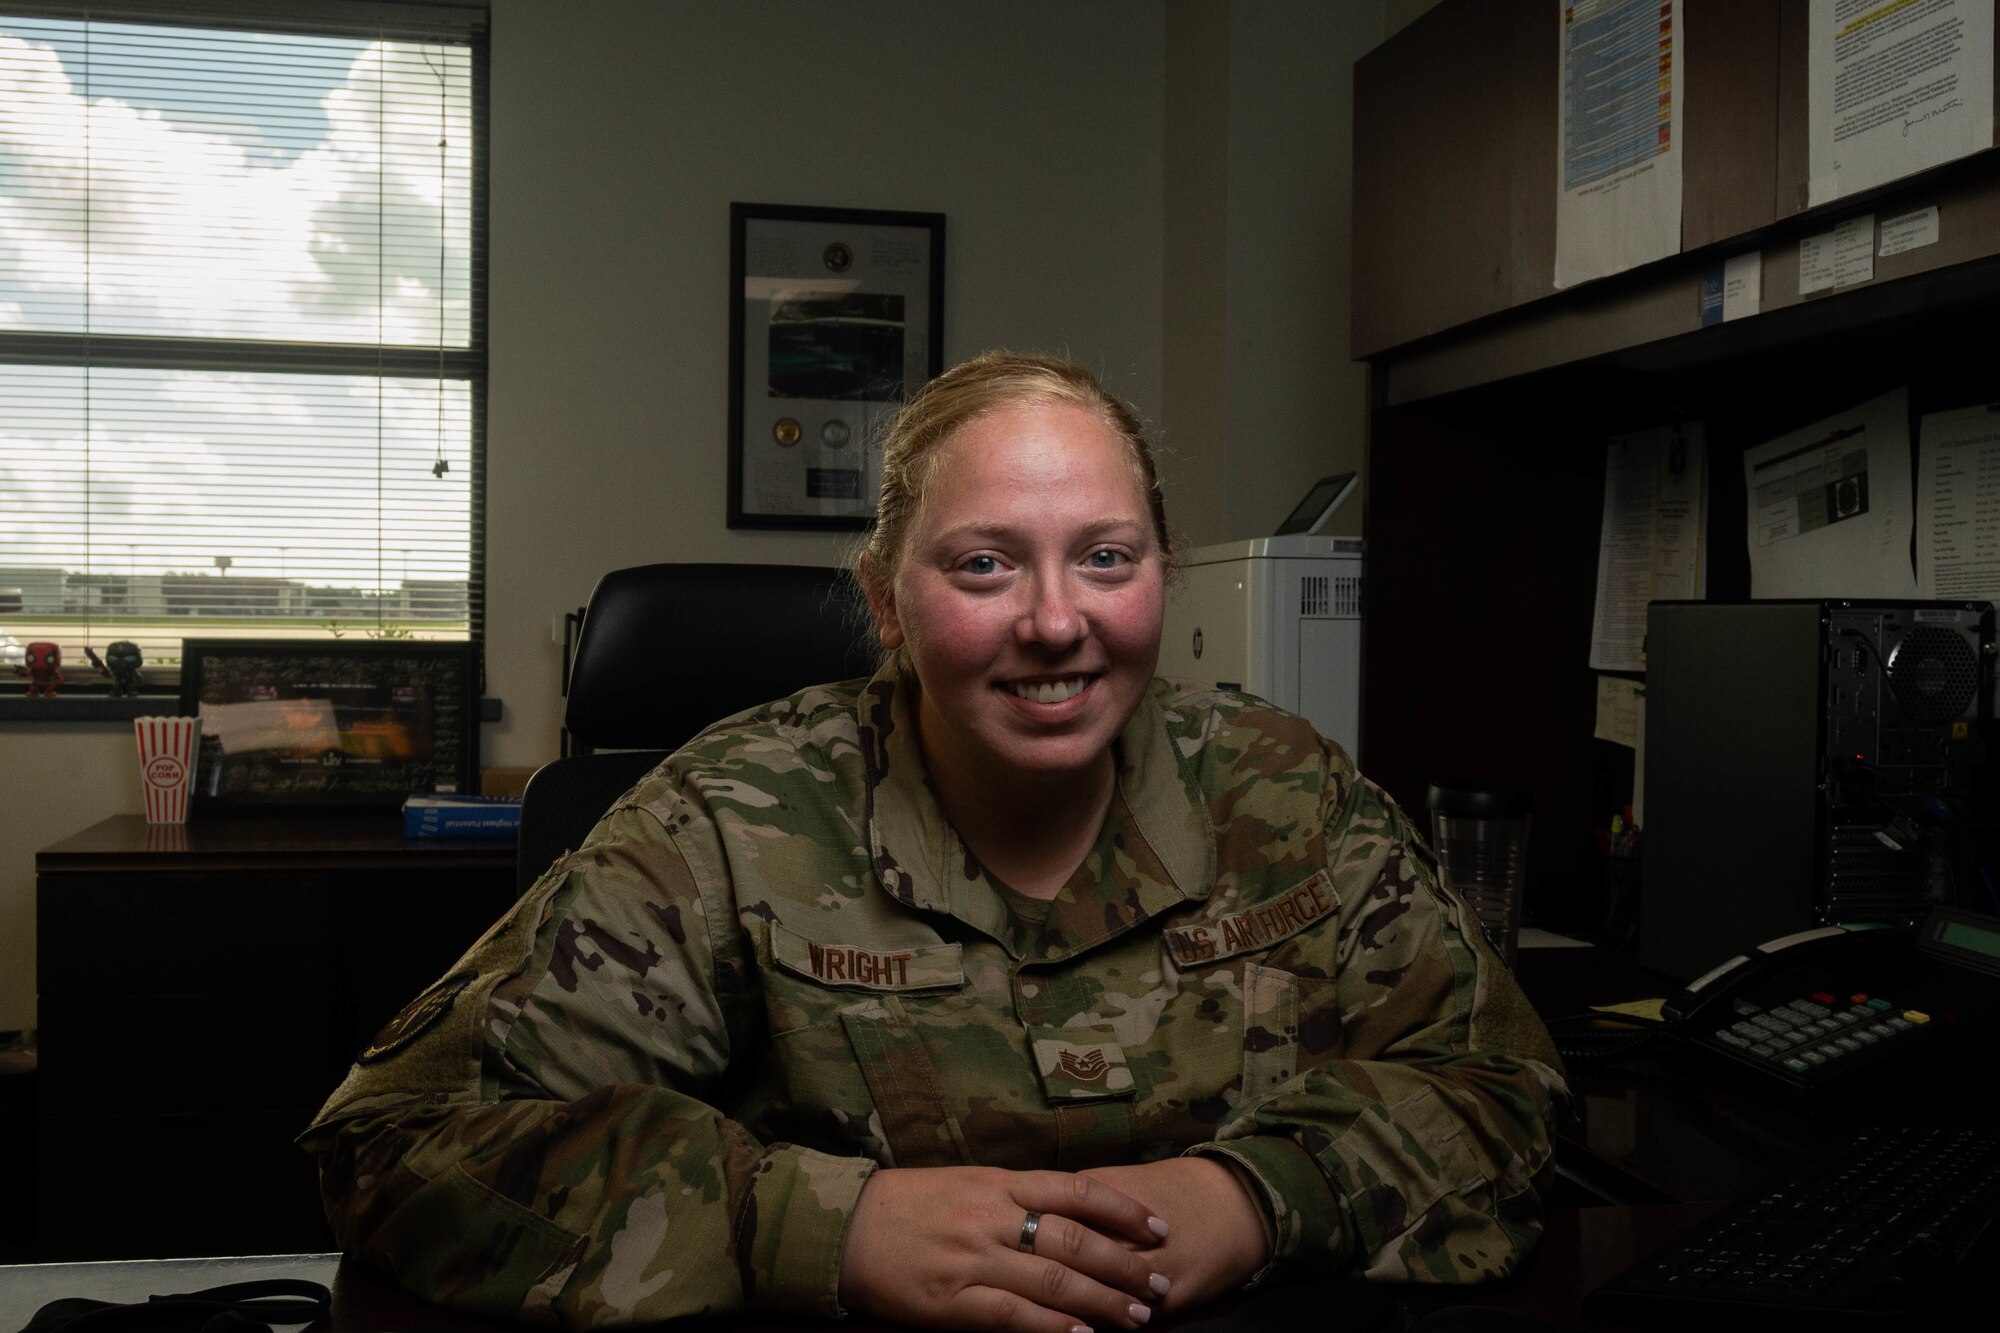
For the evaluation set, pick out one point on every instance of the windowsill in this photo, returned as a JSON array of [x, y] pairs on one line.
[[87, 708]]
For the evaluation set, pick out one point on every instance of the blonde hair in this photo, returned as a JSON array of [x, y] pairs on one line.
[[972, 389]]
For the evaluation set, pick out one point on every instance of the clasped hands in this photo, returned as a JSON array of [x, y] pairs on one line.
[[939, 1247]]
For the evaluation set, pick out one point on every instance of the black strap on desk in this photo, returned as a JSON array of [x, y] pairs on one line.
[[237, 1307]]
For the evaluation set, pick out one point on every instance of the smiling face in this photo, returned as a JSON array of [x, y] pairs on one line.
[[1028, 597]]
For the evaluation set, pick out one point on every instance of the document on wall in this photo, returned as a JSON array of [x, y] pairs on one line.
[[1651, 547], [1619, 700], [1958, 505], [1838, 258], [1618, 155], [1894, 87], [1830, 509], [1908, 231], [1732, 289]]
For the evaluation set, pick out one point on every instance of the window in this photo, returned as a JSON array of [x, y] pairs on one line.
[[242, 348]]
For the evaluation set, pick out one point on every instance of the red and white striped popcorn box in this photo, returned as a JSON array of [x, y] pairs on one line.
[[166, 765]]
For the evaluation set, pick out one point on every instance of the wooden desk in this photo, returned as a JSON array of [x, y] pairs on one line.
[[1583, 1248], [1657, 1127], [203, 988], [173, 1056], [1648, 1130], [1667, 1125]]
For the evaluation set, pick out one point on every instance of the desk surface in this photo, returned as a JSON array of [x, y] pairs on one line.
[[1658, 1126], [1583, 1248], [1655, 1139], [26, 1288], [358, 839]]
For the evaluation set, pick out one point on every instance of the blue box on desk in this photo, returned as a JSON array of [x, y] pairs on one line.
[[462, 817]]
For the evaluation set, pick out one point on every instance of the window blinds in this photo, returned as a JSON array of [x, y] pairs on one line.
[[241, 332]]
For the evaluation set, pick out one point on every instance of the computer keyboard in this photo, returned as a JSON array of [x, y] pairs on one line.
[[1867, 1232]]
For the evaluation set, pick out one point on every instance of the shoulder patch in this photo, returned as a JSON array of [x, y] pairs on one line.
[[417, 1017]]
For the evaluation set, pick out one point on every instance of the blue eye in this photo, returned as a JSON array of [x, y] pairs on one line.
[[981, 564], [1106, 559]]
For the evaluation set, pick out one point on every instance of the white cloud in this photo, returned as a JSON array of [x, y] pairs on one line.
[[205, 232], [211, 223]]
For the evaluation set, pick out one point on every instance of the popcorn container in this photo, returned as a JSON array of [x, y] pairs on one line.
[[166, 765]]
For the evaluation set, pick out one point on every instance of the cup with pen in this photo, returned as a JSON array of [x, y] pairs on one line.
[[1620, 845]]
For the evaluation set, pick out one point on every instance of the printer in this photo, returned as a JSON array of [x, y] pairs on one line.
[[1277, 616]]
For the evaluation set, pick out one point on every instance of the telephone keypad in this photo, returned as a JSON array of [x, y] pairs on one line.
[[1813, 1035]]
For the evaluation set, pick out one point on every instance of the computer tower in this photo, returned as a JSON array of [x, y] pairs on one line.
[[1798, 755], [1279, 617]]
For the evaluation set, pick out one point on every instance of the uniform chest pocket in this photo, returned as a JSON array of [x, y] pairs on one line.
[[1290, 1024], [844, 1018], [1289, 1021], [917, 1123]]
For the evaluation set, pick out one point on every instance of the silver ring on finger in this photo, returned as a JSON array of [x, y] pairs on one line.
[[1029, 1226]]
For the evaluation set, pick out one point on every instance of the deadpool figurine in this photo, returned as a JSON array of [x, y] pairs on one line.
[[43, 668]]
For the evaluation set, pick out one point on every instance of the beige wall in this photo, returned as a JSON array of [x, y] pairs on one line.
[[619, 144], [1297, 406], [1157, 189], [1261, 399]]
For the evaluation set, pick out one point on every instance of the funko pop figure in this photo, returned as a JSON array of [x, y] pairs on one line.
[[43, 668], [121, 662]]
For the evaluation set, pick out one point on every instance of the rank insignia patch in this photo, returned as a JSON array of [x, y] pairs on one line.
[[1080, 1063], [1088, 1067], [418, 1017]]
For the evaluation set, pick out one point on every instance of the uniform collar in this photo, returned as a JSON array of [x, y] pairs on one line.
[[1157, 849]]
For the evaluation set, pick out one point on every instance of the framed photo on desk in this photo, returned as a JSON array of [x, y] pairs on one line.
[[836, 317], [288, 723]]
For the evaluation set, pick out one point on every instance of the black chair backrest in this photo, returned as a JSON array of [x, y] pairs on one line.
[[667, 649], [664, 651]]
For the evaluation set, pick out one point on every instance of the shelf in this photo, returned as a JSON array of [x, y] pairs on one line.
[[87, 708]]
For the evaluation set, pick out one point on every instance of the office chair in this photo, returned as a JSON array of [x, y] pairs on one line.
[[667, 649]]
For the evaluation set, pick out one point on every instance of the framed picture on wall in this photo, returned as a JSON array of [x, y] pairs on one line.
[[836, 316]]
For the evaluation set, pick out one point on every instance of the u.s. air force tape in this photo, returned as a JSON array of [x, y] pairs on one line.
[[1258, 927]]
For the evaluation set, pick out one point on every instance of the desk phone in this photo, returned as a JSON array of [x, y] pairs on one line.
[[1812, 1010]]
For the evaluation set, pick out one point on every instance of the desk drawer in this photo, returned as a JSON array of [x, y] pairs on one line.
[[124, 1054], [143, 934]]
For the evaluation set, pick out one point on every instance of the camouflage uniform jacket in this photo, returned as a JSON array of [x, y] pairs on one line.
[[657, 1088]]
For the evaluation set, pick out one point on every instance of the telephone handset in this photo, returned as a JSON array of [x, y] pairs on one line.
[[1813, 1009]]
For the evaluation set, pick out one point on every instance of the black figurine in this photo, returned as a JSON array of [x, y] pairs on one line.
[[121, 662]]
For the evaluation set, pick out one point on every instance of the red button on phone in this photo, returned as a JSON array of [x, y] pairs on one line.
[[1821, 997]]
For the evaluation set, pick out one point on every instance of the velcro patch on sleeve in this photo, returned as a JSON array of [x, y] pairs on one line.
[[868, 967], [417, 1017], [1256, 928]]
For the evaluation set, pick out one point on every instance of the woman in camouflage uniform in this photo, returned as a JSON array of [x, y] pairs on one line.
[[1012, 987]]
